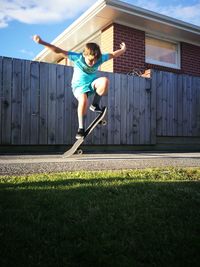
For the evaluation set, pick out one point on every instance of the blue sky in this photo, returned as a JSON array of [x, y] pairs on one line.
[[21, 19]]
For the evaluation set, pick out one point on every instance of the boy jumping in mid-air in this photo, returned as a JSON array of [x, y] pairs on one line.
[[85, 81]]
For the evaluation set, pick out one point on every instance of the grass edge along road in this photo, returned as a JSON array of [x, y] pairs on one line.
[[108, 218]]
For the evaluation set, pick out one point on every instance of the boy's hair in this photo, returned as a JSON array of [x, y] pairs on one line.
[[93, 50]]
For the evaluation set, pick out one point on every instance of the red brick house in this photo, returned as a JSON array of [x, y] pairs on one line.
[[154, 41]]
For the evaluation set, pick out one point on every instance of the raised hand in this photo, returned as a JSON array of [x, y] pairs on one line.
[[123, 46], [37, 39]]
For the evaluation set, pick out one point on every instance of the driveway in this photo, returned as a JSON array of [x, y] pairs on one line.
[[27, 164]]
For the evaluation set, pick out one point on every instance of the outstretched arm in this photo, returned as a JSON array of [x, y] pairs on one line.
[[118, 52], [53, 48]]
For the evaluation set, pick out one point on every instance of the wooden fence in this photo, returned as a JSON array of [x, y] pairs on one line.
[[37, 106], [177, 104]]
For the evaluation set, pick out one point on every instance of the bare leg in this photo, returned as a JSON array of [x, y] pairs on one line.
[[101, 87], [82, 109]]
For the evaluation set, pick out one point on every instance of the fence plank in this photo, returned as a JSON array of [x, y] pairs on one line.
[[164, 104], [141, 112], [104, 129], [16, 102], [129, 117], [123, 109], [43, 116], [136, 111], [153, 92], [35, 92], [169, 103], [175, 106], [194, 106], [67, 138], [7, 105], [189, 98], [185, 107], [147, 95], [60, 104], [198, 107], [26, 104], [159, 111], [180, 106], [52, 105], [117, 120], [144, 113], [1, 96], [111, 111]]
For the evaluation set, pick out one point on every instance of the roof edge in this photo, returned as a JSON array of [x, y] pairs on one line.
[[132, 9]]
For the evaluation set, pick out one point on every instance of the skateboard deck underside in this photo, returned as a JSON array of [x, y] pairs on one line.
[[90, 128]]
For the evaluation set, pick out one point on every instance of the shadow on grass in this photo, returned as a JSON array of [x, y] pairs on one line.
[[99, 222]]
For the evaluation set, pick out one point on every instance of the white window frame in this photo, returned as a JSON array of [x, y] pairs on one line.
[[164, 64]]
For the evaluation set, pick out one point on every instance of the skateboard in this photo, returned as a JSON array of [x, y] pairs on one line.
[[98, 120]]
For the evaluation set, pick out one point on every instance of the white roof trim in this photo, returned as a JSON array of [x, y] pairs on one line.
[[131, 9]]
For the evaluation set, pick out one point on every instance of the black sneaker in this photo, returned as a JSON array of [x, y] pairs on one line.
[[80, 133], [95, 108]]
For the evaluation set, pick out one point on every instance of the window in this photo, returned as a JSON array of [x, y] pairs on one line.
[[162, 52]]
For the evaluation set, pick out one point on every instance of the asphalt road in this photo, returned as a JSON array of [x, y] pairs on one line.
[[27, 164]]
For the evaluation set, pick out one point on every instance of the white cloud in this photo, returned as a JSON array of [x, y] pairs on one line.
[[37, 12], [185, 12], [52, 11]]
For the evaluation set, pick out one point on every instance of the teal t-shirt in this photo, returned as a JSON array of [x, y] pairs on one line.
[[83, 74]]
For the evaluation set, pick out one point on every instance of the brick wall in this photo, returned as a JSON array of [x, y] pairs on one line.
[[134, 58], [190, 59]]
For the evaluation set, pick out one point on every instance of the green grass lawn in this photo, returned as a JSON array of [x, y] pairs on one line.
[[118, 218]]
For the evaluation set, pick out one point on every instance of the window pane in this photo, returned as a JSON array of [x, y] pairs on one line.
[[161, 51]]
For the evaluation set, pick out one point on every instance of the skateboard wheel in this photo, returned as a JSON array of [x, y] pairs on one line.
[[103, 122], [79, 151]]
